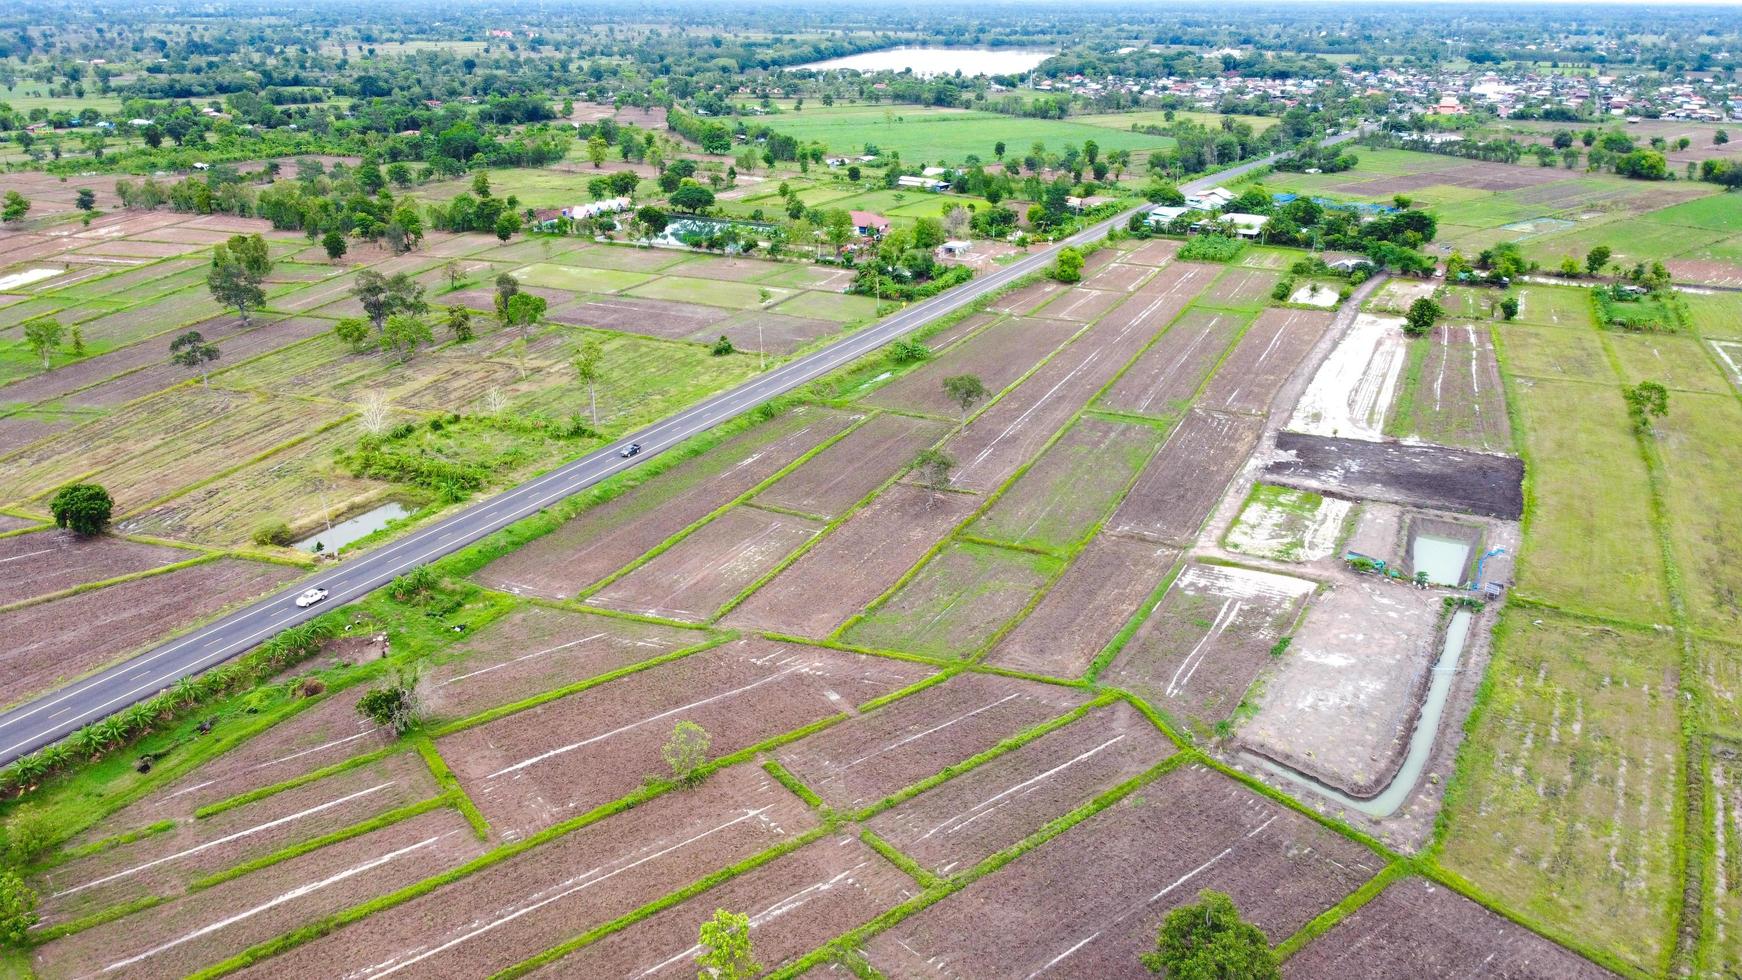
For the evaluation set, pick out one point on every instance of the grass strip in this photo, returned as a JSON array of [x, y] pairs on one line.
[[255, 795], [785, 778], [114, 912], [452, 791], [106, 844], [1324, 921], [316, 843], [908, 865]]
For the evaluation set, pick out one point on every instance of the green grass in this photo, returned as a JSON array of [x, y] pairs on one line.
[[1157, 117], [1715, 314], [839, 307], [1719, 212], [1702, 455], [579, 279], [1674, 362], [929, 135], [709, 292]]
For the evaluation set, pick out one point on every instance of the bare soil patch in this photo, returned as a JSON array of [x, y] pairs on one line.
[[535, 649], [1087, 902], [1159, 300], [1156, 251], [1415, 928], [1182, 483], [774, 333], [263, 338], [649, 317], [1458, 400], [49, 561], [840, 476], [956, 603], [1208, 638], [1081, 304], [854, 564], [1086, 608], [1265, 358], [695, 577], [1241, 287], [1024, 300], [563, 758], [1169, 373], [1119, 277], [607, 537], [1059, 499], [861, 761], [1419, 476], [997, 355]]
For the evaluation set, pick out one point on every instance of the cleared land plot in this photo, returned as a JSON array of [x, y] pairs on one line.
[[1241, 288], [1417, 476], [1202, 647], [577, 279], [503, 914], [795, 903], [1085, 902], [1566, 797], [197, 930], [1554, 306], [1081, 304], [1415, 928], [733, 295], [49, 561], [167, 863], [1715, 314], [1167, 375], [1555, 355], [536, 649], [563, 758], [1060, 499], [1675, 362], [1285, 524], [605, 538], [64, 638], [695, 577], [1119, 277], [854, 564], [1088, 606], [1452, 395], [1355, 386], [1156, 251], [957, 603], [870, 757], [1267, 355], [954, 826], [648, 317], [997, 355], [158, 375], [1025, 299], [841, 475], [1181, 484], [773, 333]]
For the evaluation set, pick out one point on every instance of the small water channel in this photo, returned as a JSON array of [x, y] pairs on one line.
[[353, 528], [1421, 741]]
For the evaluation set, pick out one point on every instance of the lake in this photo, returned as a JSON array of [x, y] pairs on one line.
[[926, 62]]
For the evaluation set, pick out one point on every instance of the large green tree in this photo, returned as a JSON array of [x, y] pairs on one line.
[[193, 351], [237, 273], [82, 508], [1207, 940], [43, 334]]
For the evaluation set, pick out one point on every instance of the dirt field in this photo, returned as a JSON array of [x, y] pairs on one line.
[[867, 758], [64, 638], [841, 475], [954, 826], [1168, 374], [1118, 277], [1240, 288], [795, 904], [1081, 304], [1269, 352], [1354, 387], [1085, 903], [1156, 251], [563, 758], [1158, 301], [1182, 483], [957, 603], [179, 937], [1070, 488], [1020, 301], [854, 564], [1417, 476], [1208, 638], [1415, 928], [1091, 603], [1456, 398], [510, 911], [606, 538], [48, 561], [265, 337], [536, 649], [695, 577], [997, 355]]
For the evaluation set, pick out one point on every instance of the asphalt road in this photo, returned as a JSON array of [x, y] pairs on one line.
[[53, 716]]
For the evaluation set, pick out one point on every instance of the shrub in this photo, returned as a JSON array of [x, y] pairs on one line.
[[17, 909], [1211, 248], [722, 347], [908, 351], [686, 751], [274, 534], [414, 586]]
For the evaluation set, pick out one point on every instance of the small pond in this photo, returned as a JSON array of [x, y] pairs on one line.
[[1442, 558], [354, 528], [928, 61]]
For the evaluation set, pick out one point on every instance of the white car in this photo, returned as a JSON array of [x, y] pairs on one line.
[[310, 597]]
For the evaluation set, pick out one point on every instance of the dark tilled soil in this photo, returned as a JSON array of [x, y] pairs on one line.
[[1081, 304], [694, 578], [997, 355], [1181, 485], [536, 649], [861, 761], [1417, 476], [1165, 378], [795, 904], [1119, 277], [1089, 606], [954, 605], [49, 561], [197, 930], [841, 475], [1268, 353], [1058, 500], [508, 912], [854, 564], [605, 538], [1019, 301], [1241, 287], [954, 826], [1416, 928], [1156, 251], [1087, 902], [773, 333], [561, 759]]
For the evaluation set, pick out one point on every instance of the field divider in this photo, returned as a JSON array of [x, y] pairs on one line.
[[316, 843], [452, 791], [571, 606], [256, 795], [913, 869], [1164, 422], [911, 689], [784, 777], [83, 587], [65, 855], [1327, 920], [42, 937], [1156, 718]]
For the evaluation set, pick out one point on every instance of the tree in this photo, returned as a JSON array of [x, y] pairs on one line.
[[725, 948], [1720, 137], [596, 149], [1509, 308], [522, 311], [692, 197], [14, 208], [383, 296], [194, 352], [403, 333], [239, 268], [1068, 267], [18, 911], [507, 224], [965, 390], [459, 323], [353, 332], [87, 199], [1597, 258], [1420, 317], [43, 334], [453, 274], [1207, 940], [334, 242], [507, 287], [396, 704], [686, 751], [934, 468], [589, 370], [1645, 400], [82, 508]]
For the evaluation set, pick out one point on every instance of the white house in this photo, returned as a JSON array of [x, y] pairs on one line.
[[610, 205], [955, 248], [922, 183], [1244, 225], [1213, 199], [1161, 217]]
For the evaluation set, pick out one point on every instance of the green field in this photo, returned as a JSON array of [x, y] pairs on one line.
[[1125, 120], [945, 136]]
